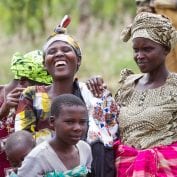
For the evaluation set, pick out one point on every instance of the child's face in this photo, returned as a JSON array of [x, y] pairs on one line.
[[17, 155], [71, 124]]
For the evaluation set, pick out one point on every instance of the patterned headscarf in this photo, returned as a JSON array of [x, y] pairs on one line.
[[30, 66], [60, 35], [142, 2], [155, 27]]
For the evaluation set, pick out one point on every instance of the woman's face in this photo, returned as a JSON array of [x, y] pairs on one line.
[[61, 60], [148, 54]]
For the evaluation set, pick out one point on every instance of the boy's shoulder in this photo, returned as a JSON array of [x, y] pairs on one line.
[[83, 145], [39, 150]]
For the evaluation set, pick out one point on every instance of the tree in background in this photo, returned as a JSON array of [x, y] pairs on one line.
[[25, 14], [30, 17]]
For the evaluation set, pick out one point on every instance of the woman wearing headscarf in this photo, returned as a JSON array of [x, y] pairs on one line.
[[27, 70], [62, 59], [148, 101], [169, 9]]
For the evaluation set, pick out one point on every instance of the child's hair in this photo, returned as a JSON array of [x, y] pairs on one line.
[[19, 138], [17, 146], [65, 100]]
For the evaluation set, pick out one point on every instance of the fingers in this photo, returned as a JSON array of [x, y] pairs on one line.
[[99, 80], [89, 85], [15, 93], [17, 90], [12, 101], [12, 98], [96, 85]]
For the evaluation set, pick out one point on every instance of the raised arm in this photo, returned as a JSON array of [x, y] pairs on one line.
[[11, 100]]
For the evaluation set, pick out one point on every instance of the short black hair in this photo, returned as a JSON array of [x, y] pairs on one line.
[[65, 100]]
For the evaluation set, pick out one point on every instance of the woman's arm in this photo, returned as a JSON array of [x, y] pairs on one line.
[[11, 100]]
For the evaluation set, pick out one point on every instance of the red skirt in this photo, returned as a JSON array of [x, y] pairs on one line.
[[159, 161]]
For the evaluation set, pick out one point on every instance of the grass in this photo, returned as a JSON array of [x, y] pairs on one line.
[[103, 54], [106, 55]]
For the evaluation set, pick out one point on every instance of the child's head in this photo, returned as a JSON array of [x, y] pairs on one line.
[[17, 146], [69, 118]]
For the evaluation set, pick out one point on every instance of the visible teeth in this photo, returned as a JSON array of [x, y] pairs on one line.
[[58, 63]]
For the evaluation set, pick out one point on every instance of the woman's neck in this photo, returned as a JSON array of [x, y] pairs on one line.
[[60, 87], [156, 76], [152, 80]]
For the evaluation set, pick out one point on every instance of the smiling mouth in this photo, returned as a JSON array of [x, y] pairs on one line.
[[60, 63], [141, 63]]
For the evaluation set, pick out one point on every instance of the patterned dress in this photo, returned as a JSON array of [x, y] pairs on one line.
[[34, 110], [148, 129], [6, 127]]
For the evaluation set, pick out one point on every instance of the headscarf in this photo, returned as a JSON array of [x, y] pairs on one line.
[[30, 66], [155, 27], [61, 35], [144, 6], [143, 2]]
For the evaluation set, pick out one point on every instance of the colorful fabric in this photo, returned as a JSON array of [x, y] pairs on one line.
[[30, 66], [148, 128], [102, 121], [7, 124], [155, 27], [65, 38], [34, 110], [160, 161], [60, 34], [80, 171], [30, 112], [6, 127]]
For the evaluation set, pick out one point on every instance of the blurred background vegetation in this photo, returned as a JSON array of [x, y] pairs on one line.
[[25, 25]]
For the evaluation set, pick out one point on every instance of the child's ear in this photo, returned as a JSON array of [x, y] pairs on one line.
[[51, 122]]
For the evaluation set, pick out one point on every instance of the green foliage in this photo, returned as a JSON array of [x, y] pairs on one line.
[[103, 52], [26, 15], [11, 14], [110, 10], [31, 15], [127, 6]]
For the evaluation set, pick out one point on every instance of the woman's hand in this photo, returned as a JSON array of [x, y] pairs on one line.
[[96, 85], [11, 100]]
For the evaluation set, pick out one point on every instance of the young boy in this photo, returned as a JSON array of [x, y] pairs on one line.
[[65, 154], [17, 146]]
